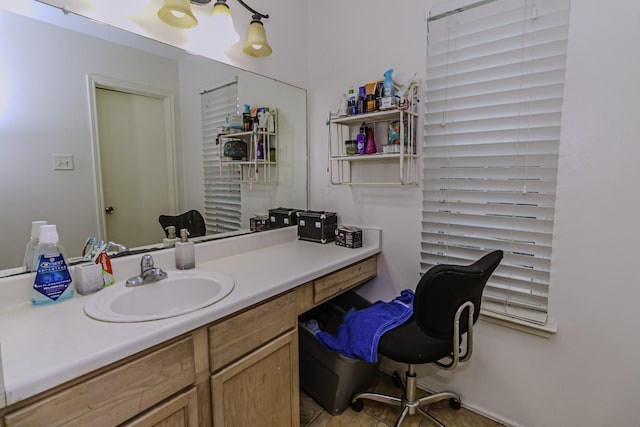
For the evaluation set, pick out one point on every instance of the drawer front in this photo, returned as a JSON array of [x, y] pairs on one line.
[[233, 338], [115, 396], [335, 283]]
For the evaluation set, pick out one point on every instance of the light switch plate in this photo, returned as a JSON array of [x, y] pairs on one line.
[[63, 162]]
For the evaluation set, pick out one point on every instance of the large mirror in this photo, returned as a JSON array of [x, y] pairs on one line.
[[52, 64]]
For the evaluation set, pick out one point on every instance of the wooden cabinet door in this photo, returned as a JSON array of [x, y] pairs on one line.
[[261, 389], [179, 411]]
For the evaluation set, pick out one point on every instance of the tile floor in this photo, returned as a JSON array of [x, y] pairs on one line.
[[377, 414]]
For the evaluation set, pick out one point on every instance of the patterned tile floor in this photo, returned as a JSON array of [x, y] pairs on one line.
[[377, 414]]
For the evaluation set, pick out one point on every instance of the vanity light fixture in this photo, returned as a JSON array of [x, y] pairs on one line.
[[257, 44], [223, 24], [178, 13]]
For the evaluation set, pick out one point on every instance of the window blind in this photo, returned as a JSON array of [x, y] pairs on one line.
[[222, 199], [495, 77]]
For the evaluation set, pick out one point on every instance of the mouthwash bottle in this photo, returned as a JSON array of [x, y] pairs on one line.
[[33, 244], [53, 279]]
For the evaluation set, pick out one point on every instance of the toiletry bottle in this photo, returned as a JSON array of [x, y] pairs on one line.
[[387, 85], [344, 106], [53, 278], [260, 151], [370, 147], [171, 238], [33, 243], [360, 106], [361, 139], [352, 101], [247, 121], [185, 252]]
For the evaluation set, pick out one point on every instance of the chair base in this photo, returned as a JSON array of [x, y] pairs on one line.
[[409, 403]]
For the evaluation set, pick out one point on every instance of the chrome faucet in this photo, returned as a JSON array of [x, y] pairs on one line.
[[148, 273], [114, 248]]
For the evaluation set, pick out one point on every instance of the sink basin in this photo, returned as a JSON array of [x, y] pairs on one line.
[[182, 292]]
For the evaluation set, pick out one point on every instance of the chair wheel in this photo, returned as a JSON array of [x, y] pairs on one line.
[[357, 405], [397, 380], [455, 404]]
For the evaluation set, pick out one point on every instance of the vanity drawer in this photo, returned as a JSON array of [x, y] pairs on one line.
[[117, 395], [333, 284], [236, 336]]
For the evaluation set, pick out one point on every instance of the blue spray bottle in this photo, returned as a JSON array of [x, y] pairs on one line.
[[387, 84]]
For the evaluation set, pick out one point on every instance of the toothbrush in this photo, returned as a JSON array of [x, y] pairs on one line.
[[88, 248]]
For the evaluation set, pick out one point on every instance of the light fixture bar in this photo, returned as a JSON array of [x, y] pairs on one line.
[[250, 9]]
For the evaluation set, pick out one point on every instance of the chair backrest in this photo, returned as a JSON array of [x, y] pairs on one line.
[[191, 220], [444, 288]]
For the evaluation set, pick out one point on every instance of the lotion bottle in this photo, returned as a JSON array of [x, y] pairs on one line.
[[185, 252]]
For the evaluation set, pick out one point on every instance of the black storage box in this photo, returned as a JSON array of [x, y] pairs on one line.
[[317, 226], [259, 223], [331, 379], [348, 236], [283, 217]]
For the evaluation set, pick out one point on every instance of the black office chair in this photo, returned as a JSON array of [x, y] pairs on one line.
[[445, 307], [191, 220]]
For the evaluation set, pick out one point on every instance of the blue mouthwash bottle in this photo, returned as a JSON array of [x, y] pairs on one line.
[[53, 278]]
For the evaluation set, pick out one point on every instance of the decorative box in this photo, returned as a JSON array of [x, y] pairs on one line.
[[283, 217], [259, 223], [348, 236], [317, 226]]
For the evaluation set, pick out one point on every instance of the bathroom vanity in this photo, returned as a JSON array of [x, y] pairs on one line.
[[230, 364]]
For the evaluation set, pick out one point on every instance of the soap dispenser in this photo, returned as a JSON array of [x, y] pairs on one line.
[[171, 239], [185, 252]]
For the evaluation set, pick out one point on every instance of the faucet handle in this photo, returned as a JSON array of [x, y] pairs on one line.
[[146, 263], [117, 247]]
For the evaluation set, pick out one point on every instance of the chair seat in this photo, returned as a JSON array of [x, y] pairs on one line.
[[408, 344]]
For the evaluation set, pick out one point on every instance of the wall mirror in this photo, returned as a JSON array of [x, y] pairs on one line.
[[51, 62]]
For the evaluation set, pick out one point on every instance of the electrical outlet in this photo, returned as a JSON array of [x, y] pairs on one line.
[[63, 162]]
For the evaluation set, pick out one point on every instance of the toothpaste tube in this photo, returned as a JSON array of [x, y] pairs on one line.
[[107, 271]]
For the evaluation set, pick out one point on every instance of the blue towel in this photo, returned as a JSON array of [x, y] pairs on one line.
[[358, 335]]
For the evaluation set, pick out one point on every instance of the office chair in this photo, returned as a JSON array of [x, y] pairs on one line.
[[191, 220], [445, 307]]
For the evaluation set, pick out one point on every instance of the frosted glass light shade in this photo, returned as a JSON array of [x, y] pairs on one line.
[[222, 23], [177, 13], [257, 44]]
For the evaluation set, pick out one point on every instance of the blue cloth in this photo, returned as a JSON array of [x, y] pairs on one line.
[[358, 335]]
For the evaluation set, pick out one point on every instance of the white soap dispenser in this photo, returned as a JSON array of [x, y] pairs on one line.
[[171, 239], [185, 252]]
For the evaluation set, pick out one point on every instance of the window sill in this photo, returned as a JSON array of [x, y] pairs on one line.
[[545, 331]]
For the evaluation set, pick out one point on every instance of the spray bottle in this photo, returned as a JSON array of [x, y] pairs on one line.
[[387, 98]]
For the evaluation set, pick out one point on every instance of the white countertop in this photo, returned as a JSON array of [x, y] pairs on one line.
[[42, 347]]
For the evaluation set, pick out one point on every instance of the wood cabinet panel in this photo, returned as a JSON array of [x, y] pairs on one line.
[[232, 338], [261, 389], [117, 395], [179, 411], [333, 284]]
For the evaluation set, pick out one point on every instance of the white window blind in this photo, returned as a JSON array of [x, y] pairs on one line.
[[495, 77], [222, 199]]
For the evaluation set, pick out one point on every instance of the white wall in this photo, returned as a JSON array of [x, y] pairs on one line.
[[588, 374]]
